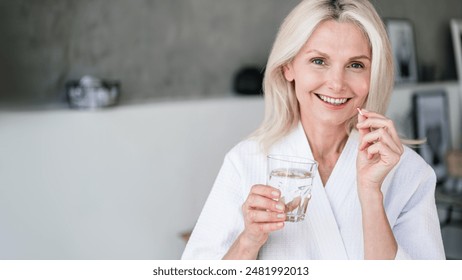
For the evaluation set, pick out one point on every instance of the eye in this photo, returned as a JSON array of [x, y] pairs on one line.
[[318, 61], [357, 65]]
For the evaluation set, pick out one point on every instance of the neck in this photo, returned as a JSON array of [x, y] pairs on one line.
[[325, 141]]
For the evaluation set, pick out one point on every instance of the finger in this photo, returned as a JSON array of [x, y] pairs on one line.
[[375, 123], [259, 216], [387, 156], [383, 136], [266, 227], [370, 114], [293, 204], [266, 191], [256, 201], [361, 118]]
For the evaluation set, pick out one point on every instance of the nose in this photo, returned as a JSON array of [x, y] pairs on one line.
[[336, 79]]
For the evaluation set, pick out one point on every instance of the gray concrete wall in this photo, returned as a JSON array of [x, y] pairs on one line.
[[167, 48], [432, 32]]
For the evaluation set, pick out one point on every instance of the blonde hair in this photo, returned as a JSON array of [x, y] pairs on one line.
[[281, 106]]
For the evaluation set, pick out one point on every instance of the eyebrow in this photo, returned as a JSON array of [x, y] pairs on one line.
[[360, 57], [351, 58]]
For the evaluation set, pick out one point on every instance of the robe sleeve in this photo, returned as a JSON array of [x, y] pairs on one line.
[[417, 230], [220, 221]]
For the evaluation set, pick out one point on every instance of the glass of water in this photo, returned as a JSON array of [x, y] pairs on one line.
[[293, 176]]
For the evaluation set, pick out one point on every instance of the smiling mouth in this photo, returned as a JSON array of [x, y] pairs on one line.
[[333, 101]]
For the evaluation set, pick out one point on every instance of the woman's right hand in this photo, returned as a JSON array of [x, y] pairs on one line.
[[263, 213]]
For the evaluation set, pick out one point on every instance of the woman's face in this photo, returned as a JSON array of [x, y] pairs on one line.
[[331, 73]]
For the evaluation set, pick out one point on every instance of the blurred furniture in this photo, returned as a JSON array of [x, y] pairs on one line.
[[185, 235], [119, 183], [431, 122]]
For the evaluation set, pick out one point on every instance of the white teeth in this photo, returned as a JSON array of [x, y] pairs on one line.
[[333, 101]]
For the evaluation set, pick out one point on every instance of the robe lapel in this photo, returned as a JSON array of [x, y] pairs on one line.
[[341, 187], [320, 212], [341, 190]]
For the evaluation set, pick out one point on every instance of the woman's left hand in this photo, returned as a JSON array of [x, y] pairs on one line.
[[380, 149]]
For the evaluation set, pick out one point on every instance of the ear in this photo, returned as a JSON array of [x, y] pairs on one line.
[[288, 71]]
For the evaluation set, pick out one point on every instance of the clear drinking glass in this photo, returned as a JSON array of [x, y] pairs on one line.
[[293, 176]]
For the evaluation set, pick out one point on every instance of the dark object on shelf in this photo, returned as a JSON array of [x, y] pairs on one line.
[[248, 81], [91, 93]]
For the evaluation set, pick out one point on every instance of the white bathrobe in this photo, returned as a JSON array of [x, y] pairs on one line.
[[332, 228]]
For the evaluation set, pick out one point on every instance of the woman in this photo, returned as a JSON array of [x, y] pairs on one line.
[[372, 198]]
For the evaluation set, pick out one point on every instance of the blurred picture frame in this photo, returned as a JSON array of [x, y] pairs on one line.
[[456, 31], [431, 122], [401, 36]]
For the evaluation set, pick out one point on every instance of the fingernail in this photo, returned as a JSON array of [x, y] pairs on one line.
[[359, 111], [279, 207], [280, 224], [280, 216], [275, 193]]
